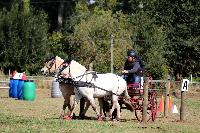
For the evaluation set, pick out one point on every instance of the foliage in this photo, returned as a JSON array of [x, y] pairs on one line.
[[164, 33], [23, 39], [149, 42], [92, 38], [57, 46], [181, 21]]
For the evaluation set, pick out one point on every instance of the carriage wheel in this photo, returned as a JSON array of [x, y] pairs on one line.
[[138, 114], [154, 106], [139, 109]]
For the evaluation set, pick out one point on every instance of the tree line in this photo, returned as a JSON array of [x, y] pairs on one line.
[[164, 33]]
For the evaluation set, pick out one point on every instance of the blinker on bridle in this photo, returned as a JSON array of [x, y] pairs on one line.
[[51, 64]]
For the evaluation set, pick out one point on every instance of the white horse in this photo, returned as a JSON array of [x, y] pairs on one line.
[[96, 86], [52, 66]]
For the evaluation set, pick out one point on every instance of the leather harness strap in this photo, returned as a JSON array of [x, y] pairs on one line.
[[82, 84]]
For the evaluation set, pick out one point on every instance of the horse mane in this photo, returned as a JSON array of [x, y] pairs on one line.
[[57, 57], [75, 68], [73, 62]]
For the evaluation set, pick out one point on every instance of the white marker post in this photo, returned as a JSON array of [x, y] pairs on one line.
[[184, 88], [142, 83]]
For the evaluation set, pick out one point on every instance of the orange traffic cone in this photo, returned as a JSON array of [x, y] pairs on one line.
[[161, 105], [170, 107]]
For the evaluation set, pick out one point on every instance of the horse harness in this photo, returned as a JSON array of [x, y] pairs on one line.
[[82, 83]]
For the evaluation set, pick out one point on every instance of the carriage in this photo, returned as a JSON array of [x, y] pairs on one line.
[[135, 103], [105, 84]]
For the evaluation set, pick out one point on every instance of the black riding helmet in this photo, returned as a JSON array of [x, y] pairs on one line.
[[131, 53]]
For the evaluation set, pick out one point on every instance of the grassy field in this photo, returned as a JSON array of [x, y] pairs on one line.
[[42, 115]]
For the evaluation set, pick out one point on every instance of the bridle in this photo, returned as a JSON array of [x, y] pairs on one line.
[[50, 66], [53, 63], [63, 68], [69, 73]]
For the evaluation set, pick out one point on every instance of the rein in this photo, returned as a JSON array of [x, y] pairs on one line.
[[79, 83], [83, 83]]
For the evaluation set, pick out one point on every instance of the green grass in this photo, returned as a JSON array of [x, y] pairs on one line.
[[24, 124], [42, 115], [193, 103]]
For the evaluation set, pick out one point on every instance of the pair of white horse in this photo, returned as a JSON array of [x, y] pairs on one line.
[[102, 85]]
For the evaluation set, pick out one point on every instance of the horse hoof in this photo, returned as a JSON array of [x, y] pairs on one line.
[[99, 118], [107, 119], [82, 117], [67, 118], [116, 120], [74, 116]]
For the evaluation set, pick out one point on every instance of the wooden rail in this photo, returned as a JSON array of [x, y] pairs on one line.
[[41, 82], [5, 85]]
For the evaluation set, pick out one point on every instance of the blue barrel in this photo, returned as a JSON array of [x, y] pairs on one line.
[[19, 89], [10, 87], [14, 87]]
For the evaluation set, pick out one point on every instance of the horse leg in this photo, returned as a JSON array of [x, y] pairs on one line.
[[104, 106], [92, 102], [82, 110], [101, 105], [65, 105], [118, 110], [85, 110], [115, 105], [76, 100], [64, 108]]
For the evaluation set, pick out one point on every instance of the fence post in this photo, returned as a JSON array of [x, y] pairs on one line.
[[145, 102], [111, 53], [184, 87], [182, 108], [91, 66], [167, 98]]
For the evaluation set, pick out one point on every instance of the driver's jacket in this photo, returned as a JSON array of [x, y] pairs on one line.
[[133, 68]]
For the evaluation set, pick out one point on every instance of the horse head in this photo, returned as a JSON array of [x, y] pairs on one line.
[[73, 69], [52, 65]]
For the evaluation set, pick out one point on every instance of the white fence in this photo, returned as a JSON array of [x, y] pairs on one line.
[[43, 82], [40, 81]]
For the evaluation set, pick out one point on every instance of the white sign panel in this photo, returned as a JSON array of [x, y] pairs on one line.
[[185, 84], [18, 76]]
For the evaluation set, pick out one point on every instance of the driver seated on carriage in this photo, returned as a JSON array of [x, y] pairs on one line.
[[133, 69]]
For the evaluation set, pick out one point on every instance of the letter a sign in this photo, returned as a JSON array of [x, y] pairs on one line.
[[184, 86]]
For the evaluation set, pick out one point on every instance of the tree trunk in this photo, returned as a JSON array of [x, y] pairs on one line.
[[25, 4], [60, 15]]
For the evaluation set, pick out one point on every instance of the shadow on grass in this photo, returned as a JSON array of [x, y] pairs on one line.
[[91, 118], [4, 97]]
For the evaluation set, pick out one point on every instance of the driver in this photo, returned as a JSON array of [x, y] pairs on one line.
[[132, 68]]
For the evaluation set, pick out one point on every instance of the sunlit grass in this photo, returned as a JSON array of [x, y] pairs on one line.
[[42, 115]]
